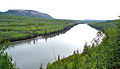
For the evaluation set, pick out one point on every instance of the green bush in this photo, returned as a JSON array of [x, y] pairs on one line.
[[103, 56], [5, 60]]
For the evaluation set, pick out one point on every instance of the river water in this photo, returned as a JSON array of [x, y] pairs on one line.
[[29, 54]]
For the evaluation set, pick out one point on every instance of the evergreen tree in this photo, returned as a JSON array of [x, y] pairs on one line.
[[41, 66]]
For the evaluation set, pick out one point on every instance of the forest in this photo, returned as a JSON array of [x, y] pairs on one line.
[[104, 25], [15, 28], [105, 55], [98, 56]]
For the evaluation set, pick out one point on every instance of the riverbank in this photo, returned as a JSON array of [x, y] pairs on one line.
[[103, 26], [20, 28], [47, 50], [96, 27], [47, 35], [103, 56]]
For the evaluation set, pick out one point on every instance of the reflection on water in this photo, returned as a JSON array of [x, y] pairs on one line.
[[31, 53]]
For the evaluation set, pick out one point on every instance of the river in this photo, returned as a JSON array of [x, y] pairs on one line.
[[29, 54]]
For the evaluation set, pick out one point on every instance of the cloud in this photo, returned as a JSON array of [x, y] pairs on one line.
[[68, 9]]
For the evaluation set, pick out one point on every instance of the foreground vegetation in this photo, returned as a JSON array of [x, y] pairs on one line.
[[14, 28], [5, 60], [103, 56]]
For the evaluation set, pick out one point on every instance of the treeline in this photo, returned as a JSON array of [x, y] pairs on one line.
[[103, 25], [14, 28], [103, 56]]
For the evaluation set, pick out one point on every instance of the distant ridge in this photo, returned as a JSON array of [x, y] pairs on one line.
[[26, 13]]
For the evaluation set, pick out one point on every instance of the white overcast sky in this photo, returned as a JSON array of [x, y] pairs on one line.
[[68, 9]]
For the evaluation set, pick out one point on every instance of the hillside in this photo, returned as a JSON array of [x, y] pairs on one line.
[[103, 25], [103, 56], [26, 13], [17, 28]]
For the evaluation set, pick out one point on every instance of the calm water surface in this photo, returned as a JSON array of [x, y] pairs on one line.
[[31, 53]]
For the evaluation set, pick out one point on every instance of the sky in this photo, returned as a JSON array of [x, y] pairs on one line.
[[68, 9]]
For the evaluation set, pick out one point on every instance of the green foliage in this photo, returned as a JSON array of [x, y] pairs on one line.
[[103, 26], [5, 60], [105, 55], [41, 66], [17, 28]]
